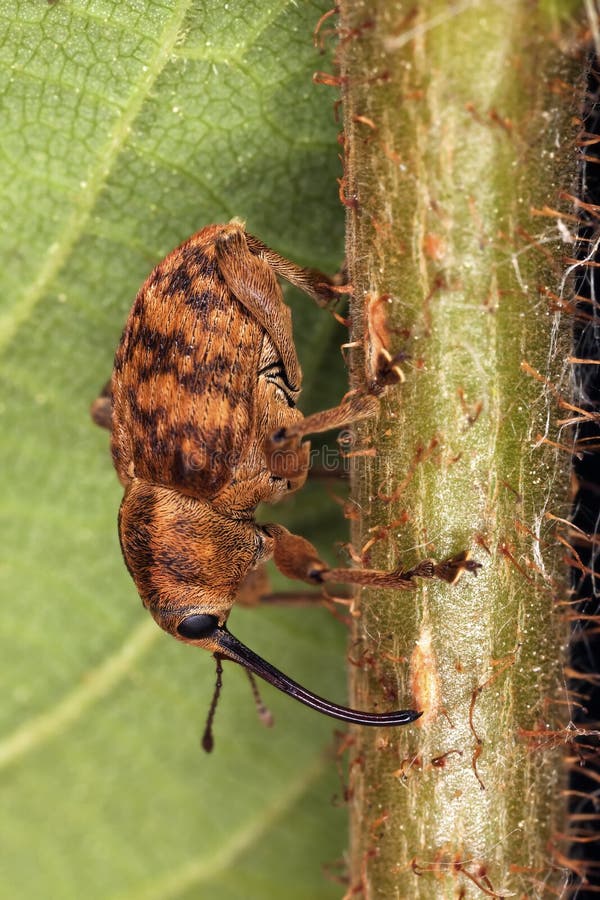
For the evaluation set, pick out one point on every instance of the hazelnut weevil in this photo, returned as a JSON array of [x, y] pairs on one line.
[[202, 409]]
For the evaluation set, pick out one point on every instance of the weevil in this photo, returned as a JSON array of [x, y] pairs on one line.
[[202, 409]]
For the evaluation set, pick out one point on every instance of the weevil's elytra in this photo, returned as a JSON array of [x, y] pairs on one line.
[[202, 407]]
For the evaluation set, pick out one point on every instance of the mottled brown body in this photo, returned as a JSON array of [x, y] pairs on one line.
[[190, 402], [198, 387], [202, 405]]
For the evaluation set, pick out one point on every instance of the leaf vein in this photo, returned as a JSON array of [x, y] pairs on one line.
[[96, 684], [58, 252], [196, 872]]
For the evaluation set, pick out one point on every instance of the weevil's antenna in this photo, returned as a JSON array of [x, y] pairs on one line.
[[207, 738], [264, 713]]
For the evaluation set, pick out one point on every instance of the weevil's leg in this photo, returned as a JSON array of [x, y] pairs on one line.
[[252, 280], [449, 570], [101, 408], [320, 287], [255, 590], [324, 473], [291, 598], [286, 441], [356, 407], [381, 370], [297, 558], [254, 584]]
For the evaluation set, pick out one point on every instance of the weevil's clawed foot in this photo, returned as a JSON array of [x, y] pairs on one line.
[[326, 294], [337, 288], [452, 569], [424, 569], [327, 291], [381, 368], [387, 368]]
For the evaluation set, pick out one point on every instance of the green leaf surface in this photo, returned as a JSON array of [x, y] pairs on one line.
[[126, 126]]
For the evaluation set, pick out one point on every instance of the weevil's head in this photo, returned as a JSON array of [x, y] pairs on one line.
[[185, 557], [188, 563]]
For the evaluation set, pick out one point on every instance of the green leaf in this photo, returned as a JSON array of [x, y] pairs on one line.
[[127, 126]]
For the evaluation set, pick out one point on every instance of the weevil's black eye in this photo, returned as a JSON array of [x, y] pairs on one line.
[[197, 627]]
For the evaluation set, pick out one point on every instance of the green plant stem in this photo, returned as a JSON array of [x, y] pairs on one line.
[[459, 138]]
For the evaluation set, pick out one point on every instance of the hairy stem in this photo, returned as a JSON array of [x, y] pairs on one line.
[[459, 138]]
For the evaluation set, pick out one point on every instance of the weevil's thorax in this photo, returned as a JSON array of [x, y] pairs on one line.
[[275, 408], [185, 557]]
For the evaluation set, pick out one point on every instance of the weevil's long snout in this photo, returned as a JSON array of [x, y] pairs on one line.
[[228, 647]]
